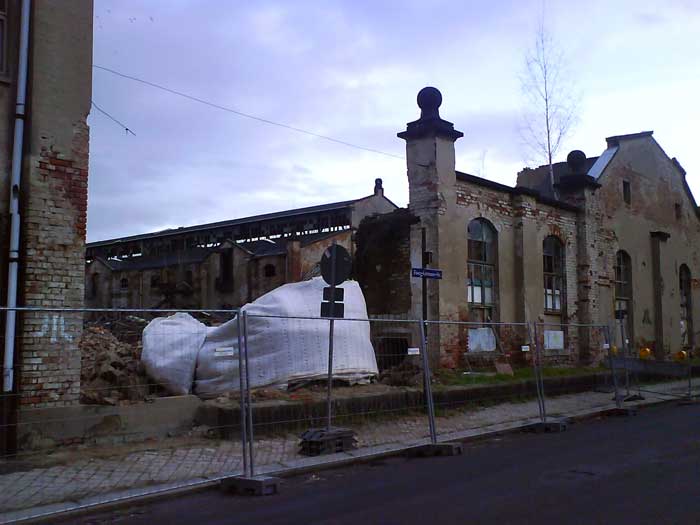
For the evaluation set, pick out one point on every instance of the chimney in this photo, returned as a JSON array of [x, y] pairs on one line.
[[378, 188]]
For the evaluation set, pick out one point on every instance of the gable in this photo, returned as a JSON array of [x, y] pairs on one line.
[[657, 184]]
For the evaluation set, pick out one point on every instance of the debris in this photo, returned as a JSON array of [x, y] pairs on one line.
[[111, 372], [408, 373]]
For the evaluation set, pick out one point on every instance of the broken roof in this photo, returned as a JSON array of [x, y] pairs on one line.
[[234, 222]]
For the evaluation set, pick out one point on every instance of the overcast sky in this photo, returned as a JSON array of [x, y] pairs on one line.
[[351, 69]]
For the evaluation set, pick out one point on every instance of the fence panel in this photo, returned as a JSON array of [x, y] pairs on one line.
[[85, 422], [576, 369], [650, 375], [491, 383], [376, 400]]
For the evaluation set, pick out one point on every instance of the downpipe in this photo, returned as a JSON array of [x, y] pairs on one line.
[[8, 379]]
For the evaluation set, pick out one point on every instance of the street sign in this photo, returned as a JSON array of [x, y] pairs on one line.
[[343, 265], [333, 294], [338, 310], [428, 273]]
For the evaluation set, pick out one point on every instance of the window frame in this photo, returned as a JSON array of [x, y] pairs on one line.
[[482, 269], [624, 290], [554, 275], [627, 192], [685, 292]]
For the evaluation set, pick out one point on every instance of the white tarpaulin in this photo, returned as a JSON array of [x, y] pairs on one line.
[[170, 348], [281, 350]]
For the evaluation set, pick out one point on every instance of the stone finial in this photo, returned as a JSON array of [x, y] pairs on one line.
[[576, 160], [430, 124], [429, 100], [378, 188]]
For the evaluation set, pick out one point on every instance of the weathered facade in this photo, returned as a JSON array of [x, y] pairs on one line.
[[617, 232], [53, 191], [222, 265]]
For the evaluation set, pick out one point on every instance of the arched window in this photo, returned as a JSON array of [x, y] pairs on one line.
[[623, 291], [482, 269], [686, 306], [269, 270], [553, 270], [124, 283]]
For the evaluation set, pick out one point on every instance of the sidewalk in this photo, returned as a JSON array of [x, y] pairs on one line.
[[83, 479]]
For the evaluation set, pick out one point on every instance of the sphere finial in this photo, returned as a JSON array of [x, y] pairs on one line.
[[576, 161], [429, 100]]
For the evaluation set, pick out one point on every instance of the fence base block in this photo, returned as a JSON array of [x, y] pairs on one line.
[[318, 441], [253, 486], [551, 425], [634, 397], [436, 449]]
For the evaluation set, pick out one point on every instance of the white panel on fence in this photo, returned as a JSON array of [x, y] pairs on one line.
[[284, 349], [170, 348], [553, 340], [482, 340]]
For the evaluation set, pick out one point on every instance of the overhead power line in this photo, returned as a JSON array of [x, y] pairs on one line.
[[98, 108], [246, 115]]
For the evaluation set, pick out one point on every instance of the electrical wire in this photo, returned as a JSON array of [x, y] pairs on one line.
[[246, 115], [98, 108]]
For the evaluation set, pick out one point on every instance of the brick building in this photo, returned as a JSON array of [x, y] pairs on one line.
[[225, 264], [44, 173], [616, 232]]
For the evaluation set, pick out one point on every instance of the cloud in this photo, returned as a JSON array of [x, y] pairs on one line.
[[350, 70]]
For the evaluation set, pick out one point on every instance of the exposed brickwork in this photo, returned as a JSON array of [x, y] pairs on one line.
[[53, 229]]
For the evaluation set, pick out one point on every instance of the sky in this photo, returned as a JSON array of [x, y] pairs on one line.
[[351, 69]]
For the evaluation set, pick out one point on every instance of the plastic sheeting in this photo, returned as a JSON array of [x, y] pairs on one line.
[[280, 349], [170, 348]]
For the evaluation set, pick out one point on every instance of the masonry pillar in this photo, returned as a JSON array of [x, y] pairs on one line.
[[54, 203], [578, 188], [430, 158], [658, 286]]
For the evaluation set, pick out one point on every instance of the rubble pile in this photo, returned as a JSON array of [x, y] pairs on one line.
[[408, 373], [111, 370]]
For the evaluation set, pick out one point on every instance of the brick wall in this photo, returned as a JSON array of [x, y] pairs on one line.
[[53, 233]]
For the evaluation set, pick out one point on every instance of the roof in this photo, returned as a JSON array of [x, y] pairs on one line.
[[233, 222], [146, 262], [264, 247], [516, 190], [615, 139]]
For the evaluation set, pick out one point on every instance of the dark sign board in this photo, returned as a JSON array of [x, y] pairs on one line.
[[338, 310], [343, 265], [428, 273], [328, 294]]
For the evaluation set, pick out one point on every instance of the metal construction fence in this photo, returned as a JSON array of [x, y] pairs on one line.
[[102, 408]]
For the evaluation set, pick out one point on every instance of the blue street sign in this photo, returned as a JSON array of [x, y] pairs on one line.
[[428, 273]]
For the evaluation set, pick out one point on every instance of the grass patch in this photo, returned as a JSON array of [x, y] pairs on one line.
[[458, 377]]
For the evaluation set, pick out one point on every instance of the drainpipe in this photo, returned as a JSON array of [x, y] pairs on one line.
[[8, 365]]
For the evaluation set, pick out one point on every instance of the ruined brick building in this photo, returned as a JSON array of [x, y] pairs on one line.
[[44, 141], [224, 264], [620, 231]]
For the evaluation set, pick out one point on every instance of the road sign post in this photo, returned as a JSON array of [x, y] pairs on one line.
[[336, 265]]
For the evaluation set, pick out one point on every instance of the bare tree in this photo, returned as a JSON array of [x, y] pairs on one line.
[[552, 102]]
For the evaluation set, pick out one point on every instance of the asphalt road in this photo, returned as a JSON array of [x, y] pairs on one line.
[[641, 469]]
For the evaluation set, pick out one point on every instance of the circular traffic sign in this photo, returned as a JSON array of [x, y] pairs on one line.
[[343, 265]]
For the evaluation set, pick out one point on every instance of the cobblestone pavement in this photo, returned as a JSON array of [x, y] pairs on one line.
[[82, 475]]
